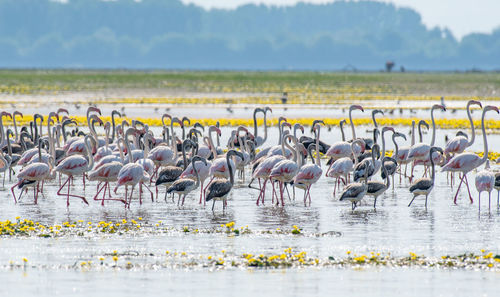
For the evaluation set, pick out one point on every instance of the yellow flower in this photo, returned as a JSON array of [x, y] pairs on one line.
[[115, 258], [25, 260]]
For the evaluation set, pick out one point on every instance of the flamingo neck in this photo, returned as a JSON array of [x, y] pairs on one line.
[[211, 144], [473, 135], [413, 133], [433, 172], [230, 168], [342, 131], [387, 179], [113, 134], [15, 128], [255, 123], [383, 145], [196, 173], [129, 151], [352, 125], [90, 164], [395, 146], [265, 128], [318, 160], [485, 139]]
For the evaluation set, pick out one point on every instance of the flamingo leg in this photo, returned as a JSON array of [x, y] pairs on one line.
[[13, 194], [468, 189], [35, 191], [489, 201], [98, 192], [260, 192], [309, 193], [414, 196], [131, 193], [287, 192], [201, 191], [151, 192], [282, 194], [458, 189]]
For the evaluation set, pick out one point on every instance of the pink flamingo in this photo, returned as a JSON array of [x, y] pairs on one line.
[[105, 174], [285, 170], [75, 165], [485, 181], [309, 174], [131, 174], [342, 149], [465, 162]]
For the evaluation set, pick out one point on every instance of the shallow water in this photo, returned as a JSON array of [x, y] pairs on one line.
[[395, 228], [292, 282]]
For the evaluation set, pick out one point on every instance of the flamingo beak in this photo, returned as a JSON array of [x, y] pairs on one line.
[[218, 131]]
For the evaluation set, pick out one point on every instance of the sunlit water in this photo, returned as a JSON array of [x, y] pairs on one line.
[[441, 229]]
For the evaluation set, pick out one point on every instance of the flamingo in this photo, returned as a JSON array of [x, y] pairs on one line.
[[368, 167], [424, 185], [377, 188], [392, 164], [203, 169], [33, 174], [219, 189], [342, 149], [466, 162], [105, 174], [355, 192], [344, 166], [285, 170], [184, 186], [485, 181], [309, 174], [75, 165], [132, 173], [171, 173]]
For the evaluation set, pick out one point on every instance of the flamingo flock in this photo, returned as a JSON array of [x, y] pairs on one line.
[[187, 159]]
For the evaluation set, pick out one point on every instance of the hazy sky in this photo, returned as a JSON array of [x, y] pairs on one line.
[[460, 16]]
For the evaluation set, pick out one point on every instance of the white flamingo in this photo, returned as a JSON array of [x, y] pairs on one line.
[[466, 162]]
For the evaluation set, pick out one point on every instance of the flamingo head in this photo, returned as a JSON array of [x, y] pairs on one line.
[[490, 107], [355, 106], [17, 113], [267, 108], [94, 109], [62, 110], [436, 106], [388, 129], [475, 102], [398, 134], [241, 128], [286, 124], [6, 114]]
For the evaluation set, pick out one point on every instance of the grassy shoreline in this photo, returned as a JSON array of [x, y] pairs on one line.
[[56, 80]]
